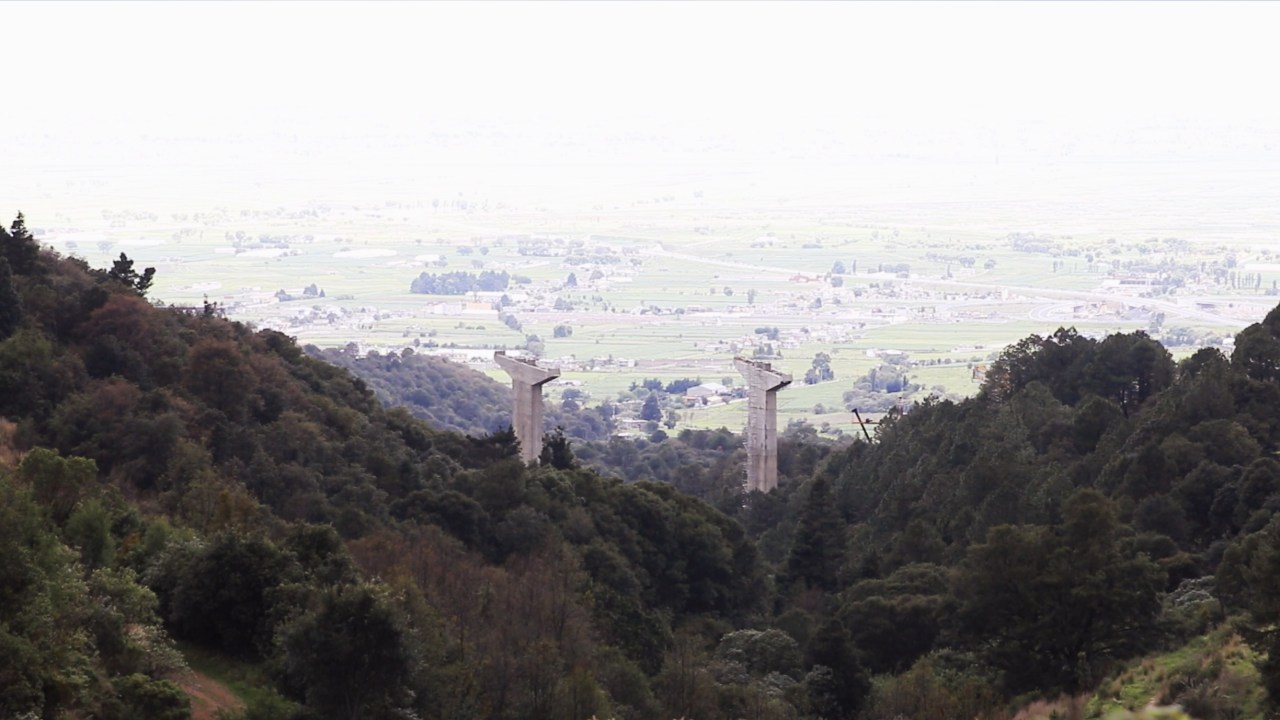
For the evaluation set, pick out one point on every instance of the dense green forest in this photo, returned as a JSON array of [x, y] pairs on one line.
[[171, 480]]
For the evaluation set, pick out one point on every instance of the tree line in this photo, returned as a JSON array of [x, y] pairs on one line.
[[459, 282]]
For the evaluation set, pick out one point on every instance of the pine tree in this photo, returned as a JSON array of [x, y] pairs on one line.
[[18, 247], [122, 271], [844, 690], [144, 281], [818, 550]]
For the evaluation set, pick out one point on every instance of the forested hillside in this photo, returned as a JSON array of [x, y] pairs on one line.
[[168, 475], [251, 500], [446, 395], [450, 396]]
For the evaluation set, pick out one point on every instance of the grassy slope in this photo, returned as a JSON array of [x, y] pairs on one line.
[[1212, 676], [1213, 672]]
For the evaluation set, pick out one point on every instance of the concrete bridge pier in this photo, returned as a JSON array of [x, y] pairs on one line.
[[763, 383], [527, 380]]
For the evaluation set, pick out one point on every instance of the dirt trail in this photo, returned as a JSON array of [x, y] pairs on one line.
[[208, 696]]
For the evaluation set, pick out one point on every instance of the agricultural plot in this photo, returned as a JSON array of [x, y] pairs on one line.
[[673, 285]]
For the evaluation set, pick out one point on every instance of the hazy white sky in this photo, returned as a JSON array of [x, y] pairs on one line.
[[704, 68]]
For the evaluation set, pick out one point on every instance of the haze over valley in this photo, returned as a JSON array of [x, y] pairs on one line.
[[862, 197]]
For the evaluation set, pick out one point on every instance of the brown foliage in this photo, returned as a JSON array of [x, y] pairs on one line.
[[524, 627], [10, 455]]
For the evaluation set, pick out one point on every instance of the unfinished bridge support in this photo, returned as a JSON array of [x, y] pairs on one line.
[[763, 383], [527, 380]]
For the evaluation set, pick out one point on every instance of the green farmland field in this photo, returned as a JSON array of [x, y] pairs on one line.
[[675, 283]]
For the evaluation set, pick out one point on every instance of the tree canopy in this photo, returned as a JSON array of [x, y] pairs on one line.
[[166, 475]]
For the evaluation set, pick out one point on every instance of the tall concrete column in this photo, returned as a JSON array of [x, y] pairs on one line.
[[763, 383], [527, 380]]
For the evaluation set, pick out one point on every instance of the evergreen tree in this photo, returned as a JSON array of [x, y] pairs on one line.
[[19, 227], [1257, 352], [1250, 573], [818, 550], [10, 302], [556, 451], [1048, 605], [122, 271], [650, 412], [843, 691], [18, 247]]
